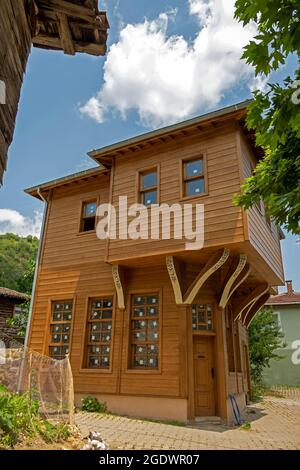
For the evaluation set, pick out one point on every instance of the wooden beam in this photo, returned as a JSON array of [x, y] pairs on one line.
[[212, 265], [237, 266], [174, 274], [255, 308], [118, 277], [65, 34], [248, 300]]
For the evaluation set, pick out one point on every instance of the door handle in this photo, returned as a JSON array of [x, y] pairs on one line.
[[213, 372]]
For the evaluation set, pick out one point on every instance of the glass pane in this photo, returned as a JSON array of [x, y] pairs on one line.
[[90, 209], [195, 187], [152, 311], [107, 303], [149, 180], [194, 168], [149, 198], [153, 299], [139, 300], [139, 312], [89, 224]]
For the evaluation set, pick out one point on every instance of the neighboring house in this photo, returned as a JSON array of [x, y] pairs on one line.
[[63, 25], [153, 327], [286, 308], [10, 306]]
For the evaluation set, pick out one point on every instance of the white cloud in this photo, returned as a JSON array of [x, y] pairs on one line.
[[166, 78], [12, 221]]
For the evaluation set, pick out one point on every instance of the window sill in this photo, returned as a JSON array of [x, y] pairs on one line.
[[145, 371], [193, 198], [88, 232], [95, 371]]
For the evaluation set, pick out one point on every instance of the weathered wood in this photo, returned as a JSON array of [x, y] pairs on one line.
[[65, 34]]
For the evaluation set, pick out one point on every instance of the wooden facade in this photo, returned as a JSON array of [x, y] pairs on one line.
[[67, 25], [188, 351]]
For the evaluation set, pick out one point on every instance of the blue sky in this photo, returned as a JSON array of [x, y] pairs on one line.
[[178, 54]]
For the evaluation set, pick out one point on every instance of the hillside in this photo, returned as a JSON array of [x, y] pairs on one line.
[[16, 253]]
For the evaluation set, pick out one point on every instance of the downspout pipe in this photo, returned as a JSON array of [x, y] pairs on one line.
[[37, 267]]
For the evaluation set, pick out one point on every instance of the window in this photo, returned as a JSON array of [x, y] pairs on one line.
[[193, 177], [202, 317], [277, 319], [18, 311], [229, 339], [99, 333], [144, 332], [148, 187], [60, 328], [88, 216]]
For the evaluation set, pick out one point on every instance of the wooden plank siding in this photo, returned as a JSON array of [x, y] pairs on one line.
[[263, 237], [223, 221]]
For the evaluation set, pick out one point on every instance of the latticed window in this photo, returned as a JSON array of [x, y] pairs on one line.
[[99, 333], [148, 187], [145, 331], [60, 328], [202, 317]]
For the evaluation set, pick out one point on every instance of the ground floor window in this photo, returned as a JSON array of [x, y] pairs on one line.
[[60, 328], [202, 317], [99, 333], [144, 331]]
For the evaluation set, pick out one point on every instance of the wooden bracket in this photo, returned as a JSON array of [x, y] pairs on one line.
[[244, 305], [65, 34], [236, 275], [174, 275], [255, 308], [118, 276], [212, 265]]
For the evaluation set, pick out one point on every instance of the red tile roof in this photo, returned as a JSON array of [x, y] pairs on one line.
[[286, 298], [12, 294]]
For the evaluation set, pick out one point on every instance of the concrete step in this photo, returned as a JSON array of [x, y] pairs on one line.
[[208, 420]]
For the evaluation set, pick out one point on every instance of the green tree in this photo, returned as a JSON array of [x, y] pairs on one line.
[[265, 338], [16, 254], [274, 113], [26, 281]]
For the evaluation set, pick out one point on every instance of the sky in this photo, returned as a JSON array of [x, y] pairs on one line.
[[167, 61]]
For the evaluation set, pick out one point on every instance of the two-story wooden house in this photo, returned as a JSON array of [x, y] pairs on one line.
[[153, 328]]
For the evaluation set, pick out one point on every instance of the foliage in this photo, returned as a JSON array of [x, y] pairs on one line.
[[21, 320], [265, 338], [17, 254], [274, 113], [92, 404], [20, 417], [246, 426]]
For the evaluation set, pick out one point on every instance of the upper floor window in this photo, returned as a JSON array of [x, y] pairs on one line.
[[148, 187], [144, 341], [60, 328], [193, 177], [88, 216]]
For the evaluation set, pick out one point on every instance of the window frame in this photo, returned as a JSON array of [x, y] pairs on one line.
[[206, 332], [201, 155], [83, 369], [140, 191], [47, 335], [83, 202], [129, 369]]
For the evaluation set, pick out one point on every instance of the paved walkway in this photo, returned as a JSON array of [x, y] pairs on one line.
[[275, 424]]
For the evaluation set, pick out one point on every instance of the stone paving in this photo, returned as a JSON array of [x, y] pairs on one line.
[[275, 424]]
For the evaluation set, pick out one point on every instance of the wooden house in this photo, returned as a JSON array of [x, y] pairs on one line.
[[153, 328], [67, 25]]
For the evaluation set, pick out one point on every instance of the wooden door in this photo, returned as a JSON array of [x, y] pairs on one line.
[[204, 373]]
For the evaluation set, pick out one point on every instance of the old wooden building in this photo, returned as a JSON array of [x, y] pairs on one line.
[[10, 306], [67, 25], [153, 327]]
